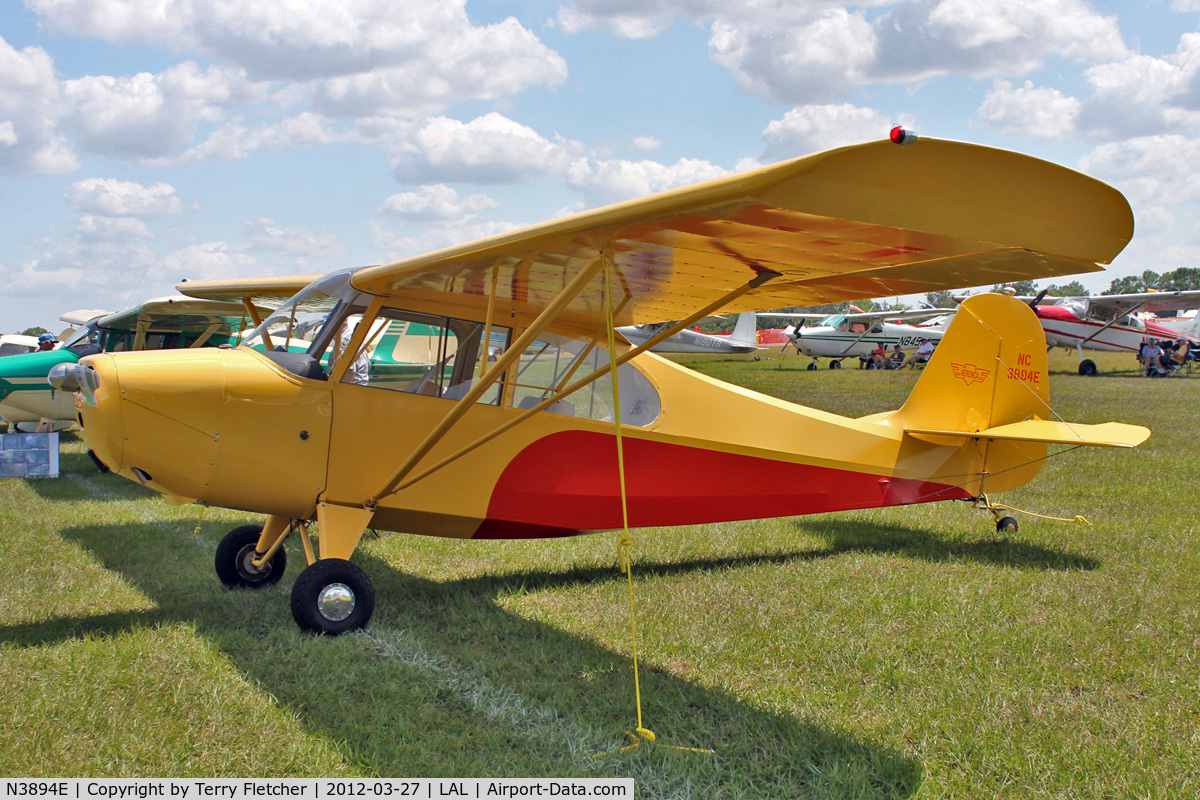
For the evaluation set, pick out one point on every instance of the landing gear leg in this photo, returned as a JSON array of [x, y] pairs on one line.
[[1086, 365]]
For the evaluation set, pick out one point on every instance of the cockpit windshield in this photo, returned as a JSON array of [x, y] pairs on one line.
[[295, 325], [86, 341], [835, 321]]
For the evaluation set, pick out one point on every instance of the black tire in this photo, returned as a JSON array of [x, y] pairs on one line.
[[835, 364], [1006, 525], [812, 367], [234, 555], [332, 597], [1087, 367]]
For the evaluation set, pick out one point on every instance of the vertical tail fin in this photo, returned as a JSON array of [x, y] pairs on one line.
[[988, 370], [746, 330]]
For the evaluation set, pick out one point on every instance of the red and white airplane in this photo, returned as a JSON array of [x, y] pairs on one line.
[[1109, 321]]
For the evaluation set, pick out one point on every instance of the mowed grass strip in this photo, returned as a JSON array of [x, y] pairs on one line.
[[906, 652]]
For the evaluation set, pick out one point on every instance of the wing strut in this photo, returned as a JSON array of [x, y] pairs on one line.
[[1110, 323], [601, 370], [549, 313]]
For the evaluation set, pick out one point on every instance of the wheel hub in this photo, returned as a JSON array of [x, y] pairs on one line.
[[246, 564], [336, 602]]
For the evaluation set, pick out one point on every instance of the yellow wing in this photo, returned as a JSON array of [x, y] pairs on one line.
[[269, 290], [869, 220]]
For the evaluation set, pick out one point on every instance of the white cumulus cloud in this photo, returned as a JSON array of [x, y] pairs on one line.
[[818, 127], [491, 149], [360, 56], [610, 181], [112, 198], [435, 203], [1029, 111], [31, 142]]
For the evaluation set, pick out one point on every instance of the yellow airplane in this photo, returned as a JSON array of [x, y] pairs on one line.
[[527, 418]]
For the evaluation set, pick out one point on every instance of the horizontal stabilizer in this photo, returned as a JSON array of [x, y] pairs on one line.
[[1107, 434]]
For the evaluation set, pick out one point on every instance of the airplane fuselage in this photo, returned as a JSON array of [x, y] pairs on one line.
[[1064, 328], [831, 342]]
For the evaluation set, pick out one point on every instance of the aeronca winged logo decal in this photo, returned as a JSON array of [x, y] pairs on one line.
[[969, 373]]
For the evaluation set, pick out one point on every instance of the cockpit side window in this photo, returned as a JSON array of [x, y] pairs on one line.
[[555, 362], [420, 354]]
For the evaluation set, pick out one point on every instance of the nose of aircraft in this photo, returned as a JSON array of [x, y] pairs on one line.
[[151, 416]]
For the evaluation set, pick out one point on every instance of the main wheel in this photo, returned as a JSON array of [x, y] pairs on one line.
[[235, 557], [331, 597], [1006, 525], [835, 364], [1087, 367]]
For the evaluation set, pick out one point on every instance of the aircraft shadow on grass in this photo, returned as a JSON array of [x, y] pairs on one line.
[[843, 537], [846, 536], [352, 690]]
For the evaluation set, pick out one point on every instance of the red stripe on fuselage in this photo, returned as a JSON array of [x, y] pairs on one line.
[[567, 483]]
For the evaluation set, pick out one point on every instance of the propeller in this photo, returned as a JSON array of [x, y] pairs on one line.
[[1034, 302]]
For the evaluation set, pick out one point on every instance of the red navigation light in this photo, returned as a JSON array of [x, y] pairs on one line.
[[901, 136]]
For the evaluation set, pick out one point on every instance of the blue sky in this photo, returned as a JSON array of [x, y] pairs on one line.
[[146, 141]]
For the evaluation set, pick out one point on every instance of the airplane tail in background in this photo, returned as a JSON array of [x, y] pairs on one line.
[[988, 381], [745, 332], [1192, 328]]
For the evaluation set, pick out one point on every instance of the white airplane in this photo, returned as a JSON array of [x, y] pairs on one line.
[[12, 344], [840, 336], [742, 340], [1109, 321]]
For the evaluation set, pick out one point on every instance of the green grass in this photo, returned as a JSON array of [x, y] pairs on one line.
[[890, 653]]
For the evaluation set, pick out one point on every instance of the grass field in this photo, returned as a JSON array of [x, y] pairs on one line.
[[895, 653]]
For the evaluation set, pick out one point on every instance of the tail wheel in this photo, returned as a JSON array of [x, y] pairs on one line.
[[1087, 367], [332, 597], [235, 560], [1006, 525]]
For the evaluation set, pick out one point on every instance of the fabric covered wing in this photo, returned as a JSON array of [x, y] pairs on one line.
[[863, 221], [270, 290]]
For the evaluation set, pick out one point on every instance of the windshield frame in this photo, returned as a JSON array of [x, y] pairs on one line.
[[335, 287]]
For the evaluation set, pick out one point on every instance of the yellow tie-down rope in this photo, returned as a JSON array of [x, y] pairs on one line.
[[640, 734], [200, 519], [998, 509]]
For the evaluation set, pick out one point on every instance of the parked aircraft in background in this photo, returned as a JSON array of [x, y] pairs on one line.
[[743, 339], [572, 431], [841, 336], [28, 402], [1108, 321], [12, 344]]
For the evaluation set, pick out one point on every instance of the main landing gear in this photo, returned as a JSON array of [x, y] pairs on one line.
[[331, 596], [235, 557]]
